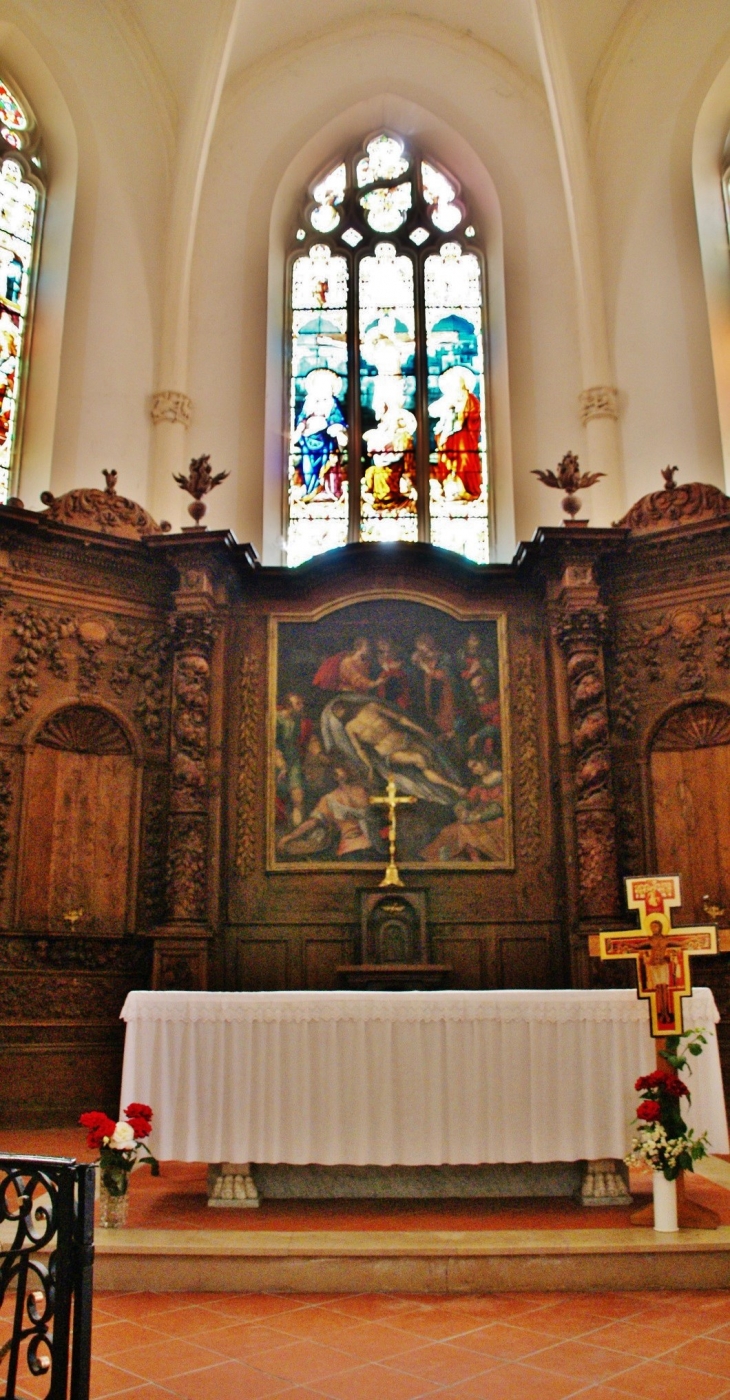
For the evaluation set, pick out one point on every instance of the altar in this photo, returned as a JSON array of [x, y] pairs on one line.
[[409, 1079]]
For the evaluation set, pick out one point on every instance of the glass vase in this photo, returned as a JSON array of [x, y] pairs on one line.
[[113, 1207], [665, 1203]]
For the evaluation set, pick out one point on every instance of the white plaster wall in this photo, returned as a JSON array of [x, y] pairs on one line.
[[111, 144], [429, 82], [643, 123]]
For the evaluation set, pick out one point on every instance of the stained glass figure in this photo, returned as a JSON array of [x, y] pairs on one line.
[[439, 193], [19, 205], [387, 403], [386, 210], [384, 161], [456, 398], [388, 396], [318, 486], [328, 194]]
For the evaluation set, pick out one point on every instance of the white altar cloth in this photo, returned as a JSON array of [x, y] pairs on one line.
[[408, 1078]]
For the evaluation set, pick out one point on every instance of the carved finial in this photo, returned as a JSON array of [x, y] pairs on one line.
[[198, 482], [669, 474], [111, 481], [569, 479]]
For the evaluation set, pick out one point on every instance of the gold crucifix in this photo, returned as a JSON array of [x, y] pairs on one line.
[[392, 802]]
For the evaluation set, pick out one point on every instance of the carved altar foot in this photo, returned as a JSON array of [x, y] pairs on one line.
[[605, 1183], [690, 1214], [231, 1184]]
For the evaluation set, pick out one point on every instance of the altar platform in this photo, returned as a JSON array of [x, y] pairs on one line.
[[430, 1247]]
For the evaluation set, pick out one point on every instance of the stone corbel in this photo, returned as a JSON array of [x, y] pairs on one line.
[[171, 406], [600, 401]]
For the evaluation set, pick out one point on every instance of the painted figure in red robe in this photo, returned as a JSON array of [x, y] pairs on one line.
[[458, 433]]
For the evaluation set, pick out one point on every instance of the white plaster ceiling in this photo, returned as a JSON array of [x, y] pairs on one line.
[[176, 32]]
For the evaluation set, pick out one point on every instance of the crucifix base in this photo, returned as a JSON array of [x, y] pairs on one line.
[[690, 1214]]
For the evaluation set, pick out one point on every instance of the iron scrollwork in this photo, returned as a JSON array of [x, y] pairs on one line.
[[46, 1263]]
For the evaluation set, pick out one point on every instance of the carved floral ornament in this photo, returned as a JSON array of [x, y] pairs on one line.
[[668, 653], [104, 511], [691, 504], [171, 406], [600, 401]]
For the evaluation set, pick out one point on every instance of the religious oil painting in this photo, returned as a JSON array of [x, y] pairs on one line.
[[381, 689]]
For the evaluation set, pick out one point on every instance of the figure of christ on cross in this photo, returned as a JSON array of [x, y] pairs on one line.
[[392, 802], [661, 954]]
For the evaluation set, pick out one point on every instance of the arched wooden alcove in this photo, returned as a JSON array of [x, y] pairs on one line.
[[79, 825], [689, 763]]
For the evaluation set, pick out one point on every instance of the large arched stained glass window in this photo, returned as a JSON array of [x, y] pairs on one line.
[[387, 386], [21, 202]]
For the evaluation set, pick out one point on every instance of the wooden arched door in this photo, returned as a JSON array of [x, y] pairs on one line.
[[79, 825], [690, 781], [690, 786]]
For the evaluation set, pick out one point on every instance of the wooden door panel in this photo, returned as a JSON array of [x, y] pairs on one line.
[[77, 840], [691, 790]]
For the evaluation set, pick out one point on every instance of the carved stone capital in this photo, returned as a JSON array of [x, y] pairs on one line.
[[600, 401], [171, 406]]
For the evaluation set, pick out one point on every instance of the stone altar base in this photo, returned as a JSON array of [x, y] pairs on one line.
[[242, 1185]]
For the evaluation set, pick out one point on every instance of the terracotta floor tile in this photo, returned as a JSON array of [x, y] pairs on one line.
[[512, 1382], [186, 1321], [318, 1323], [120, 1335], [377, 1383], [167, 1357], [566, 1320], [107, 1379], [658, 1381], [253, 1305], [138, 1306], [506, 1341], [442, 1362], [242, 1339], [146, 1392], [581, 1360], [703, 1354], [437, 1323], [304, 1362], [232, 1380], [371, 1306], [635, 1338], [374, 1341], [496, 1305]]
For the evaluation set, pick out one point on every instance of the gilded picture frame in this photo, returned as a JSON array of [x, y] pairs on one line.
[[389, 685]]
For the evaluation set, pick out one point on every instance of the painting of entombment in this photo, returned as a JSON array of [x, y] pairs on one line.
[[379, 689]]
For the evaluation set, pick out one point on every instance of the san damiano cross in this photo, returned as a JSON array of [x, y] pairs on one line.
[[661, 953], [392, 802]]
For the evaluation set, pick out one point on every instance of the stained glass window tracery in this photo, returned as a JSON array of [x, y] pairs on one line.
[[387, 377], [21, 202]]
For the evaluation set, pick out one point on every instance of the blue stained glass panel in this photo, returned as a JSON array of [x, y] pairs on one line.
[[318, 451], [387, 334]]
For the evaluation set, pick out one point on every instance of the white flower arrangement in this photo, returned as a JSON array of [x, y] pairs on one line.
[[653, 1150]]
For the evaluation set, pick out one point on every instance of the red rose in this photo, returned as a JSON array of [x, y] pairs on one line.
[[140, 1126], [673, 1085], [138, 1110], [649, 1111], [99, 1126]]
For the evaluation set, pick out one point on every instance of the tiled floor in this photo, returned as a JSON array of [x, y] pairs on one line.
[[671, 1346]]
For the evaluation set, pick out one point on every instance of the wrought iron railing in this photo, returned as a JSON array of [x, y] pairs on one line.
[[46, 1278]]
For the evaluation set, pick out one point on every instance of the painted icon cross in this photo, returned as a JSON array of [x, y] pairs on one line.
[[392, 802], [661, 953]]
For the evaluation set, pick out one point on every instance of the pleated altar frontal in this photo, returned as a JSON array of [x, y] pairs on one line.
[[409, 1078]]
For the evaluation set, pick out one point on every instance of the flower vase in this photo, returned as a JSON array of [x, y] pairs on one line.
[[113, 1207], [665, 1203]]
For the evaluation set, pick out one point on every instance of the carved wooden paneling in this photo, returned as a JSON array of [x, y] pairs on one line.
[[77, 839], [262, 964], [464, 956], [525, 961], [322, 957]]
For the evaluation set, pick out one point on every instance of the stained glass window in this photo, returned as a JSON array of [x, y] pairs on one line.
[[387, 403], [21, 195]]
